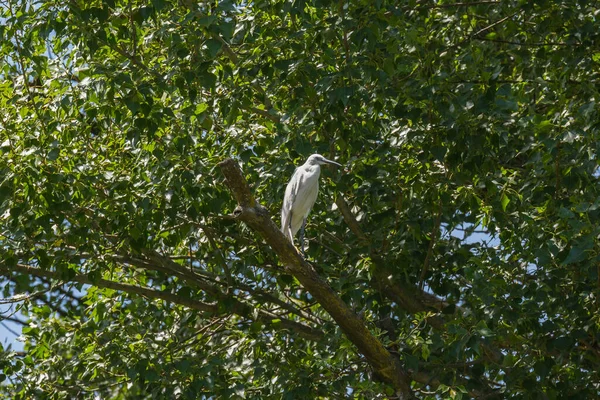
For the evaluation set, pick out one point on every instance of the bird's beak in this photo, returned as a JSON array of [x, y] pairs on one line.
[[331, 162]]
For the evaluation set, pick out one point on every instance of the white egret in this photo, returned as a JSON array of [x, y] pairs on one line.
[[300, 196]]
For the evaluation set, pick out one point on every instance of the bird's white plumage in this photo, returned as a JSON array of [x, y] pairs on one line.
[[301, 194], [298, 203]]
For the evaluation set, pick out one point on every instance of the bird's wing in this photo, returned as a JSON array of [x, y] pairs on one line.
[[291, 191], [297, 180]]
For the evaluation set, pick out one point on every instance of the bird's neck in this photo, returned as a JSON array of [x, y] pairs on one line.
[[315, 168]]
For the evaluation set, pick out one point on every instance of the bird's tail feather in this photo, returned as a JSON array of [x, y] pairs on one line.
[[286, 227]]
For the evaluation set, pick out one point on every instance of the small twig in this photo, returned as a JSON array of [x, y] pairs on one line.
[[349, 218], [265, 114], [464, 4], [518, 81], [216, 249], [14, 320], [191, 258], [335, 239], [184, 342], [21, 62], [557, 169], [172, 228], [525, 44], [226, 48], [325, 246], [54, 306], [22, 297], [65, 293], [487, 28], [124, 287], [133, 32], [345, 34], [9, 329], [434, 233]]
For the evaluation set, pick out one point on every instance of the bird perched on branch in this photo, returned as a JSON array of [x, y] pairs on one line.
[[300, 196]]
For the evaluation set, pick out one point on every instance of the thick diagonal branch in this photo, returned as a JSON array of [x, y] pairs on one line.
[[386, 366]]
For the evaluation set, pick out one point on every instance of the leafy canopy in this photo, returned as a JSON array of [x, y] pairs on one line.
[[464, 230]]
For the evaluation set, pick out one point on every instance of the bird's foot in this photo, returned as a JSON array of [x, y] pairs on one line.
[[300, 250], [297, 249]]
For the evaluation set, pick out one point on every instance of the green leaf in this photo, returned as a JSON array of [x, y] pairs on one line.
[[483, 329], [53, 154], [213, 46], [206, 20], [576, 254], [208, 80], [505, 200], [158, 4], [411, 362], [439, 152], [200, 108]]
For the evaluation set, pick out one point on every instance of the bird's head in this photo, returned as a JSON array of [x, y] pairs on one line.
[[317, 159]]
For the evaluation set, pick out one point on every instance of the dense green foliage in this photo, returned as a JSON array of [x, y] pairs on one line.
[[470, 136]]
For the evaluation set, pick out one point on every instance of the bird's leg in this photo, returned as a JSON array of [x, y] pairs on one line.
[[289, 229], [302, 237], [289, 233]]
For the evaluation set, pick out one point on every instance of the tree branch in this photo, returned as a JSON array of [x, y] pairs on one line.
[[386, 366], [407, 298], [226, 48], [238, 307], [233, 57], [220, 257], [123, 287], [434, 234], [201, 279], [541, 44], [8, 327], [465, 4], [265, 114], [349, 218], [487, 28], [411, 299], [22, 297]]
